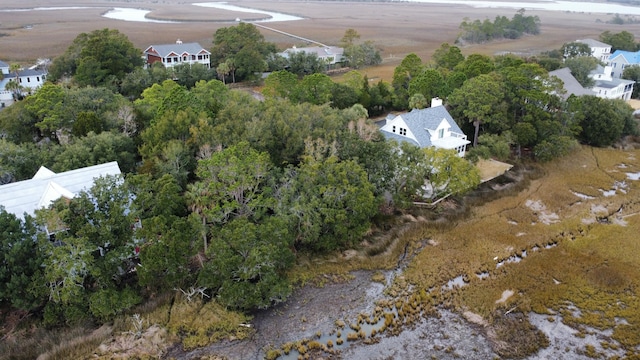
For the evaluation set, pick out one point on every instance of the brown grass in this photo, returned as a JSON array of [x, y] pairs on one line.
[[397, 28], [591, 265]]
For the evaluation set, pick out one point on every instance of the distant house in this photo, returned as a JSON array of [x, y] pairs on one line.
[[599, 50], [46, 186], [608, 87], [428, 127], [605, 87], [180, 53], [621, 59], [28, 79], [331, 55]]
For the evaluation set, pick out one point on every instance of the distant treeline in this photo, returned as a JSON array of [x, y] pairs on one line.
[[502, 28]]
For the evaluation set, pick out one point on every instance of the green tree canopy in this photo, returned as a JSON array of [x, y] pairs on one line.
[[600, 121], [245, 46], [20, 263], [96, 58], [581, 67], [623, 40], [329, 202]]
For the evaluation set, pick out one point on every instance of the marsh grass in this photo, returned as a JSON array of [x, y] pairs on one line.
[[588, 265], [200, 323], [44, 344]]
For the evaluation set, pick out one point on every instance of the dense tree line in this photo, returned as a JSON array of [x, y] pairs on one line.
[[501, 28], [222, 191]]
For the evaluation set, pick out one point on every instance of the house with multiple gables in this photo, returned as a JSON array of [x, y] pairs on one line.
[[599, 50], [180, 53], [605, 86], [621, 59], [331, 55], [46, 186], [28, 79], [428, 127], [609, 87]]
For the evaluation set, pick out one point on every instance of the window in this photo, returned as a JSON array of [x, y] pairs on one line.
[[38, 78], [403, 131], [394, 129], [169, 60], [440, 133]]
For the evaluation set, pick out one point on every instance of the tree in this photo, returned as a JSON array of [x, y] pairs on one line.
[[85, 268], [633, 73], [302, 63], [188, 75], [314, 89], [245, 46], [237, 180], [474, 65], [15, 88], [581, 67], [20, 262], [135, 82], [447, 56], [623, 40], [449, 174], [601, 123], [329, 202], [343, 96], [223, 70], [418, 101], [430, 83], [409, 68], [97, 57], [480, 100], [248, 263], [95, 149], [48, 108], [349, 38], [575, 49], [359, 55], [280, 84]]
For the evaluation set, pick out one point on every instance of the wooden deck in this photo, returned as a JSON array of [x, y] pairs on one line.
[[491, 169]]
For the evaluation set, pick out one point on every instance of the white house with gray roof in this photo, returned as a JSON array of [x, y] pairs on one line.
[[599, 50], [329, 54], [180, 53], [29, 80], [46, 186], [608, 87], [428, 127], [605, 85]]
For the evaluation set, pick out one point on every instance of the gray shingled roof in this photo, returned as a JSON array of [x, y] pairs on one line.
[[31, 72], [3, 64], [166, 49], [572, 85], [420, 121], [593, 43]]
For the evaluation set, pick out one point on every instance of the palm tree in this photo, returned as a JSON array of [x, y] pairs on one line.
[[197, 199], [223, 70], [14, 87], [14, 68]]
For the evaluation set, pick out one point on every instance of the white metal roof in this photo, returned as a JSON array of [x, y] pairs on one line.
[[46, 186]]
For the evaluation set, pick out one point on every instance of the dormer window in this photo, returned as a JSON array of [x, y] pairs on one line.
[[440, 133]]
